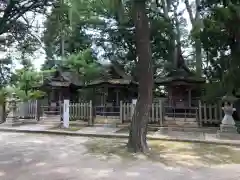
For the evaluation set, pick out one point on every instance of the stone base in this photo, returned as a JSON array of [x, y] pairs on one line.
[[228, 132], [11, 122], [228, 128], [228, 136]]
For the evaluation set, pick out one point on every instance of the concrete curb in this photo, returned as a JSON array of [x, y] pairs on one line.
[[122, 136]]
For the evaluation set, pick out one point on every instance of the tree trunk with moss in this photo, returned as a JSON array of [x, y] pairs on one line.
[[137, 141]]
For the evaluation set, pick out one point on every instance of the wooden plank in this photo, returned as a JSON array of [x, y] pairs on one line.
[[205, 112], [132, 110], [82, 111], [124, 112], [215, 111], [157, 113], [210, 113], [90, 114], [220, 112], [200, 113], [121, 111], [161, 112]]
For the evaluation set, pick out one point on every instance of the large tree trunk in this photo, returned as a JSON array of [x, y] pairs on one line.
[[195, 21], [137, 136]]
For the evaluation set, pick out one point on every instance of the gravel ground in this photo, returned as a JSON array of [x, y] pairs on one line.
[[44, 157]]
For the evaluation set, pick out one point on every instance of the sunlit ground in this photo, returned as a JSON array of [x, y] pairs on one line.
[[167, 152]]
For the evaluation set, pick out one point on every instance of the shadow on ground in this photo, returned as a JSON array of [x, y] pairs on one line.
[[166, 152]]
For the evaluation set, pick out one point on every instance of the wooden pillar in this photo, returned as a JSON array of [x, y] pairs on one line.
[[117, 97], [60, 93], [170, 100], [105, 94], [189, 97]]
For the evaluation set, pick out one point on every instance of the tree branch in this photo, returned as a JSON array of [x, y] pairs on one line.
[[189, 9]]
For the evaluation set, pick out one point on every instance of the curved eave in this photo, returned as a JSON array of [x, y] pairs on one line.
[[113, 82], [49, 85], [170, 80]]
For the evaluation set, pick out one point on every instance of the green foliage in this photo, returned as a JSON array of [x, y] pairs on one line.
[[27, 79], [3, 94], [32, 94], [108, 25], [219, 39], [213, 91], [5, 71], [58, 26], [84, 64]]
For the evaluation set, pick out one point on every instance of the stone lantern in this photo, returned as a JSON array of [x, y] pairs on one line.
[[227, 126], [12, 118]]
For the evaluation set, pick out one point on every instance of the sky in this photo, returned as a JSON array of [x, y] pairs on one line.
[[39, 56]]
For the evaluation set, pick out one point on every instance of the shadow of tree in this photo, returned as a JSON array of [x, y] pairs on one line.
[[166, 152]]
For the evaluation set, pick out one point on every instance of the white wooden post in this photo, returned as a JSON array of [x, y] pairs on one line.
[[200, 113], [161, 112], [121, 112], [36, 110], [66, 113], [133, 106], [90, 121]]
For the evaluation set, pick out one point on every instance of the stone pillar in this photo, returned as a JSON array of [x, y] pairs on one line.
[[12, 118]]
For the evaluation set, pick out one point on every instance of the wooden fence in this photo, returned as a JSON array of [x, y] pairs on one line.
[[210, 113], [27, 110], [204, 114], [155, 114], [80, 111]]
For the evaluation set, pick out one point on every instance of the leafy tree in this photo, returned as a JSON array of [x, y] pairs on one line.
[[16, 31], [84, 64], [5, 71], [220, 40], [113, 34], [15, 24], [60, 36], [28, 79]]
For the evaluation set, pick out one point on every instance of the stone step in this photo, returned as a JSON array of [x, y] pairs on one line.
[[180, 124], [180, 119], [51, 113], [50, 119], [106, 121], [189, 129]]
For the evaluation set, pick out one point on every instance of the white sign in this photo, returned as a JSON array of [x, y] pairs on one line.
[[66, 113], [134, 101]]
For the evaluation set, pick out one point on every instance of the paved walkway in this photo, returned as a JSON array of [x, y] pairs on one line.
[[43, 157], [106, 131]]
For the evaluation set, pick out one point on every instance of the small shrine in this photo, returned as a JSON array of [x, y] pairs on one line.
[[181, 84], [113, 86], [59, 85]]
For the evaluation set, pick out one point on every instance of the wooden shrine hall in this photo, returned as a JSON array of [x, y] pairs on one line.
[[112, 87], [182, 85], [59, 85]]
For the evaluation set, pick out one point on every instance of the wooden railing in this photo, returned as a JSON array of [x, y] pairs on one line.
[[159, 112], [27, 110], [210, 113], [80, 111]]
